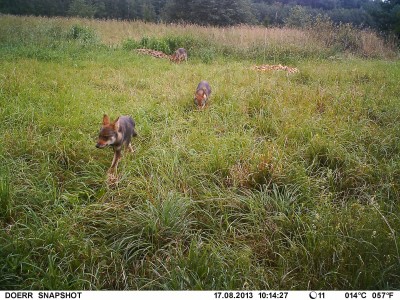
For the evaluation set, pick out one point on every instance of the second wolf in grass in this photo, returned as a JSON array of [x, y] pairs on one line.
[[116, 134], [179, 55], [202, 94]]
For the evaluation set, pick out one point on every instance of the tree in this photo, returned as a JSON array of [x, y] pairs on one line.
[[81, 9], [147, 12], [177, 11], [355, 16], [271, 15], [158, 6], [387, 15], [17, 7], [298, 17], [209, 12], [100, 9]]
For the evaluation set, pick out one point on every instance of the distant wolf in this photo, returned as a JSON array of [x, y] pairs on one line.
[[179, 55], [116, 134], [202, 94]]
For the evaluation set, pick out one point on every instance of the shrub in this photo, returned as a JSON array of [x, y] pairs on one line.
[[167, 44], [83, 34], [339, 38], [130, 44]]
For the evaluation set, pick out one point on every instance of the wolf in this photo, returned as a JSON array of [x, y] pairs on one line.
[[116, 134], [202, 94], [179, 55]]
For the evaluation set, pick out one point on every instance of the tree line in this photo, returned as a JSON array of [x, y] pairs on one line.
[[378, 14]]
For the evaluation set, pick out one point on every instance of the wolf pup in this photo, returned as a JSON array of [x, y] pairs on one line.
[[179, 55], [116, 134], [202, 94]]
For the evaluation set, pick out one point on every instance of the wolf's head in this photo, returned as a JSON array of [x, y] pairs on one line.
[[200, 97], [108, 133]]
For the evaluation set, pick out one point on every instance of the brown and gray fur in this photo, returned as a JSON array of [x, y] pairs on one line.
[[116, 134], [179, 55], [202, 94]]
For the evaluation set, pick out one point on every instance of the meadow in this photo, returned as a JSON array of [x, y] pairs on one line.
[[285, 181]]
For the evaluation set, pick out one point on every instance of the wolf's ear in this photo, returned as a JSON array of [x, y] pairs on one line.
[[116, 124], [106, 120]]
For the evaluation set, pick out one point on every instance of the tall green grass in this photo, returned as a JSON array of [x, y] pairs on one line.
[[282, 182], [45, 39], [321, 39]]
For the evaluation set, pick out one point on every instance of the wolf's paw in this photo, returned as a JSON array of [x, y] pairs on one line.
[[112, 179]]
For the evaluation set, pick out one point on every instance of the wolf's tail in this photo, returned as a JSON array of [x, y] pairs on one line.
[[134, 133]]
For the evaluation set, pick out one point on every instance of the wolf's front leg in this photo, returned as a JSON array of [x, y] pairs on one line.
[[130, 148], [117, 157]]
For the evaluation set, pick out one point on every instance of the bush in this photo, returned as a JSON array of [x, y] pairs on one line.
[[339, 38], [130, 44], [167, 44], [82, 34]]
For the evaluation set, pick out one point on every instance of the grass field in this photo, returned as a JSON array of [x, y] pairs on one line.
[[282, 182]]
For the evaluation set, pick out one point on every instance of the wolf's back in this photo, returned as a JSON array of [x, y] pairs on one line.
[[127, 126], [204, 85]]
